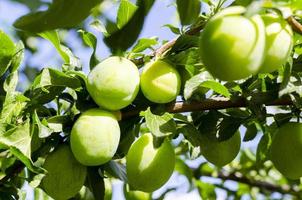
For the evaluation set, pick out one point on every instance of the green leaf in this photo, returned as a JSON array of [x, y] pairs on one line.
[[49, 84], [182, 168], [217, 87], [7, 51], [18, 57], [117, 170], [185, 42], [173, 29], [193, 84], [191, 134], [95, 183], [91, 41], [262, 153], [188, 10], [66, 54], [18, 141], [60, 14], [206, 190], [228, 127], [143, 44], [251, 132], [53, 77], [160, 125], [125, 12], [123, 38], [43, 130]]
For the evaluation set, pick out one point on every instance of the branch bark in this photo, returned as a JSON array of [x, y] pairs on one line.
[[208, 104], [262, 185]]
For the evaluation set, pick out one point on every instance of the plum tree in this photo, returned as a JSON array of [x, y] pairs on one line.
[[286, 150], [160, 82], [135, 194], [65, 175], [279, 42], [95, 137], [149, 168], [220, 153], [232, 46], [109, 84]]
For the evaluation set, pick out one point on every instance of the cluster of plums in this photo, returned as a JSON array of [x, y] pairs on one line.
[[232, 47], [113, 84]]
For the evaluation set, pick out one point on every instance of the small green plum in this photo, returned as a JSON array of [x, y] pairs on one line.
[[220, 153], [65, 175], [135, 194], [95, 137], [286, 148], [279, 42], [114, 83], [160, 82], [148, 168], [231, 45]]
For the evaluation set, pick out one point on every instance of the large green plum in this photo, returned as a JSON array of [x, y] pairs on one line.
[[114, 83], [149, 168], [160, 82], [232, 46], [135, 194], [279, 42], [95, 137], [220, 153], [65, 175], [286, 150]]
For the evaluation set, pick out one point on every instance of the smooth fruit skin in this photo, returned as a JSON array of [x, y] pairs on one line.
[[279, 42], [148, 168], [220, 153], [232, 46], [160, 82], [286, 150], [114, 83], [95, 137], [65, 176], [135, 194]]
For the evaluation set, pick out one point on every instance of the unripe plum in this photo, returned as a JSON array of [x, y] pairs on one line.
[[95, 137], [114, 83], [286, 150], [220, 153], [135, 194], [65, 175], [149, 168], [232, 46], [160, 82], [279, 42]]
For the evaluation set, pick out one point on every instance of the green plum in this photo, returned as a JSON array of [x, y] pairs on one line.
[[114, 83], [220, 153], [286, 149], [135, 194], [160, 82], [232, 46], [95, 137], [65, 175], [279, 42], [149, 168]]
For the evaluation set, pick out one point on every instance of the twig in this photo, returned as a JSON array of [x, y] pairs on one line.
[[208, 104], [295, 24], [238, 177]]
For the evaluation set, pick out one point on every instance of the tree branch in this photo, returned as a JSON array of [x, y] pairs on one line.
[[217, 103], [262, 185], [294, 24]]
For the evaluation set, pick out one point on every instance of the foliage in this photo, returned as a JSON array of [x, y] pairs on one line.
[[35, 121]]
